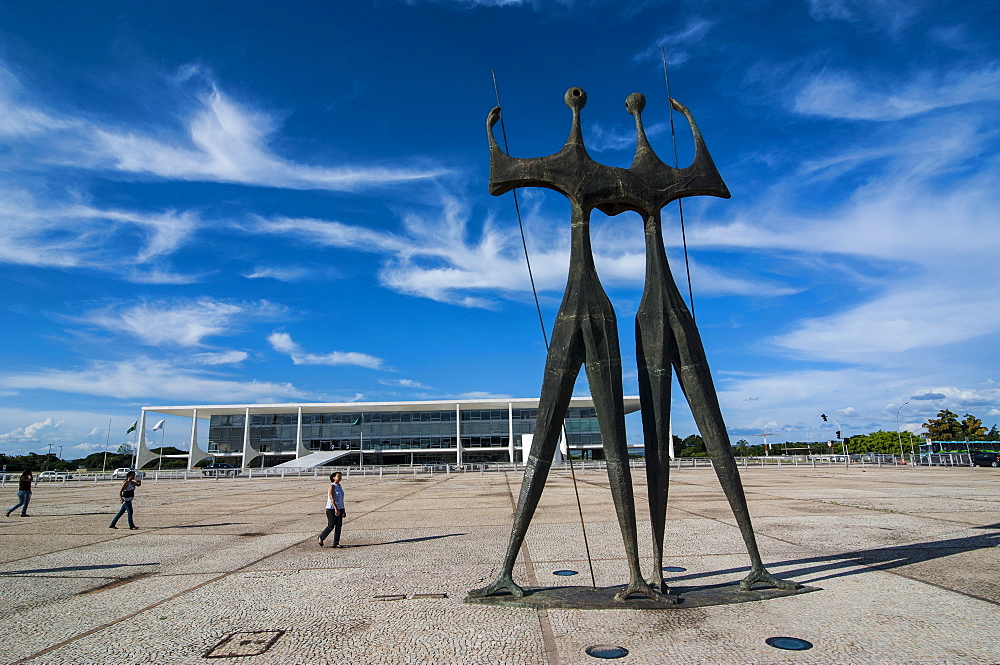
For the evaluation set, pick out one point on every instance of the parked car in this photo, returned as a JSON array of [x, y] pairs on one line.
[[217, 469], [54, 475], [986, 459], [121, 472]]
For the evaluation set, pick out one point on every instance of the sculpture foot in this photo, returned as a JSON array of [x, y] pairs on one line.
[[640, 586], [759, 575], [656, 582], [504, 581]]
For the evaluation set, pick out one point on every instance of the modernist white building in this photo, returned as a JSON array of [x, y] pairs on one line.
[[306, 435]]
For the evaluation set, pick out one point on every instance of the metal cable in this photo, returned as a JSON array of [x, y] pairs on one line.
[[680, 202], [545, 337]]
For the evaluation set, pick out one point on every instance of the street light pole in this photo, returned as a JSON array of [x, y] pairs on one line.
[[898, 435]]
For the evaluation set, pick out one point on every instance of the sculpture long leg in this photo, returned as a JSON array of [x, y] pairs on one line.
[[600, 330], [655, 374], [654, 345], [696, 381], [566, 354]]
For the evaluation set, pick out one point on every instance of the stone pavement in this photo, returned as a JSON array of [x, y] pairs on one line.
[[906, 559]]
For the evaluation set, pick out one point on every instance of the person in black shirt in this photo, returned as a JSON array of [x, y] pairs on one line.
[[23, 493]]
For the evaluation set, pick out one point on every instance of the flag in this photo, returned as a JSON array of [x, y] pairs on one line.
[[132, 428], [158, 425]]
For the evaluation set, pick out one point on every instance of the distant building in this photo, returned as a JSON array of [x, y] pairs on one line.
[[376, 433]]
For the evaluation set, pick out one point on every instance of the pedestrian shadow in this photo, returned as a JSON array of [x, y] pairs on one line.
[[202, 526], [69, 569], [856, 562], [407, 540]]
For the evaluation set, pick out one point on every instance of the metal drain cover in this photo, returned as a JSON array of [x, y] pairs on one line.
[[609, 651], [564, 573], [249, 643], [788, 643]]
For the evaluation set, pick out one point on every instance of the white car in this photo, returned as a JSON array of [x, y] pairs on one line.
[[54, 475], [122, 472]]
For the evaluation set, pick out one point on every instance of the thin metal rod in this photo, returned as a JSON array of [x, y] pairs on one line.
[[545, 338], [520, 225], [579, 507], [680, 202]]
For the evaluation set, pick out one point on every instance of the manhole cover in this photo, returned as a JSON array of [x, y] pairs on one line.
[[788, 643], [249, 643], [564, 573], [673, 569], [606, 651]]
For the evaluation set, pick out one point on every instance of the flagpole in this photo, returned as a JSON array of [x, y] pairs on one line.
[[104, 466]]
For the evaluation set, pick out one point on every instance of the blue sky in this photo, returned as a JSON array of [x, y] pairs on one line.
[[247, 202]]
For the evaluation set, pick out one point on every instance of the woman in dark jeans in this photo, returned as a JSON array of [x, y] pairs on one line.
[[127, 493], [334, 510], [23, 493]]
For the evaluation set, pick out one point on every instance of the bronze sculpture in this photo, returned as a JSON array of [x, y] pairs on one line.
[[585, 333]]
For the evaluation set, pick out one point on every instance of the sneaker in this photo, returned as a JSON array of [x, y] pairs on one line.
[[133, 528], [112, 527], [8, 513]]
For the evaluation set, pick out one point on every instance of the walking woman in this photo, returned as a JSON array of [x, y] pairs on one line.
[[127, 493], [23, 493], [334, 510]]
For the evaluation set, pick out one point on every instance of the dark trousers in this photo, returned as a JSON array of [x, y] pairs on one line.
[[126, 506], [333, 523]]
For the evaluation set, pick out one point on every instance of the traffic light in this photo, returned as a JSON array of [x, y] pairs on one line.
[[838, 433], [823, 416]]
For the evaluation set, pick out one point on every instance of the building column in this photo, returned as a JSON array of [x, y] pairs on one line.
[[510, 430], [300, 451], [195, 453], [249, 452], [458, 433]]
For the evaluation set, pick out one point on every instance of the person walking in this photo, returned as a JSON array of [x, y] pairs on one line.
[[334, 510], [127, 493], [23, 493]]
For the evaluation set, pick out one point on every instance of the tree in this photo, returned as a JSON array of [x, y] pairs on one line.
[[693, 446], [945, 427], [883, 442], [126, 449], [992, 435], [972, 428]]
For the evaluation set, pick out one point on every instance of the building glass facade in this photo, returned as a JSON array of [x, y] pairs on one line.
[[394, 436]]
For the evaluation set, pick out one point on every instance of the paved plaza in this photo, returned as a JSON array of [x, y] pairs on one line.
[[906, 560]]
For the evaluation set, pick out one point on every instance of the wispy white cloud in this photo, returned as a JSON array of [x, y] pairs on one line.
[[404, 383], [601, 139], [74, 234], [182, 322], [282, 274], [223, 141], [848, 95], [283, 343], [436, 256], [31, 433], [228, 142], [890, 16], [678, 42], [144, 377], [220, 358]]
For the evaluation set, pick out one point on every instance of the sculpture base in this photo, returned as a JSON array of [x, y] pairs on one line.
[[603, 598]]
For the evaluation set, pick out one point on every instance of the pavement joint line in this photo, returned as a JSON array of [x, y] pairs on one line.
[[549, 645], [241, 569]]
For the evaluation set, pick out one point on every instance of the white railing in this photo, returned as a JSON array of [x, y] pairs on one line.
[[447, 470]]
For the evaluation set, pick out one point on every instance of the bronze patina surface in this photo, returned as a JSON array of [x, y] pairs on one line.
[[586, 334]]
